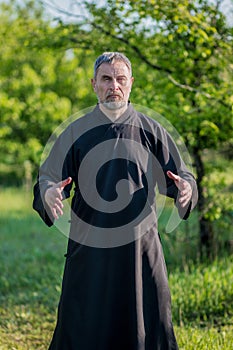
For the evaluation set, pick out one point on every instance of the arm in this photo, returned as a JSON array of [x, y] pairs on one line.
[[48, 203], [39, 205], [53, 197], [54, 180], [175, 180], [187, 195]]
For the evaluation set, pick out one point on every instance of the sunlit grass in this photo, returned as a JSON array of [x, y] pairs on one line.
[[208, 338]]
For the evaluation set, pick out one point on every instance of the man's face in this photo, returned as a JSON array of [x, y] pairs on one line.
[[112, 84]]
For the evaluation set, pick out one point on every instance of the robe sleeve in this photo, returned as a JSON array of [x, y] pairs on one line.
[[170, 159], [40, 206], [58, 166]]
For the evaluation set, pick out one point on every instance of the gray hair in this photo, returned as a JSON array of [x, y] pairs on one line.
[[109, 57]]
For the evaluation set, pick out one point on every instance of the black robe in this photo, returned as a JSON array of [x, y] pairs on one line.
[[115, 293]]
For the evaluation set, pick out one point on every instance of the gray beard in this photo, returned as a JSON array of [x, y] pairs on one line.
[[114, 105]]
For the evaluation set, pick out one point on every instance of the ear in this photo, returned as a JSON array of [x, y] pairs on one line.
[[93, 83], [131, 83], [132, 80]]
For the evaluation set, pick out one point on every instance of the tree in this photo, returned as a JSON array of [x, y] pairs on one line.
[[185, 55], [40, 87], [183, 59]]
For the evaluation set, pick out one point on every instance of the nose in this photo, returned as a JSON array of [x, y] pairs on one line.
[[114, 85]]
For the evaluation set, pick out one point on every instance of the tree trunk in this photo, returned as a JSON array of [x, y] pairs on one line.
[[205, 225]]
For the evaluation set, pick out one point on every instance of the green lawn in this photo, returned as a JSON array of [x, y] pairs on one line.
[[32, 259]]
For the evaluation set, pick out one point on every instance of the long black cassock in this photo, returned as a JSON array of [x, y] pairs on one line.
[[115, 293]]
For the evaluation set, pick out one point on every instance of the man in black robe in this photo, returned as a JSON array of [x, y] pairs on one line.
[[115, 293]]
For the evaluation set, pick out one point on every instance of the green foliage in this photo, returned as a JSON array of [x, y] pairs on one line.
[[182, 60], [29, 109], [217, 201], [217, 184], [40, 86], [184, 56]]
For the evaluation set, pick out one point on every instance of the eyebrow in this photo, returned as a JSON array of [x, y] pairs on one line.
[[106, 76], [109, 76]]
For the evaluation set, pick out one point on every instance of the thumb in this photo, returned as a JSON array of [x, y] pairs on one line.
[[62, 184], [173, 176]]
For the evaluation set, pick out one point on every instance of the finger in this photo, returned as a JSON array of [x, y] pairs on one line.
[[184, 200], [58, 209], [185, 192], [185, 203], [55, 203], [62, 184], [173, 176], [54, 213], [186, 188], [58, 203]]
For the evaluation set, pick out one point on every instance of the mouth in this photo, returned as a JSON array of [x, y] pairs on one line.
[[113, 97]]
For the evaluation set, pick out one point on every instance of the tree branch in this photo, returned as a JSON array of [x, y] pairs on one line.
[[187, 87], [135, 48], [156, 67], [50, 4], [139, 53]]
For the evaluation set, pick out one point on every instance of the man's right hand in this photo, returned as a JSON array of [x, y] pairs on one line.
[[53, 197]]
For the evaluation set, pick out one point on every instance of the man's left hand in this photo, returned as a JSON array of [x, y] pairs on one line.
[[184, 187]]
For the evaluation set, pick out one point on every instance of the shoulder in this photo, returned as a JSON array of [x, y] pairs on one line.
[[76, 125], [148, 123]]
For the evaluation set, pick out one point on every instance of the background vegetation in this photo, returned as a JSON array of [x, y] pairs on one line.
[[182, 59]]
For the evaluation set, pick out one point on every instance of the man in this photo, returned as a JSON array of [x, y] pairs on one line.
[[115, 293]]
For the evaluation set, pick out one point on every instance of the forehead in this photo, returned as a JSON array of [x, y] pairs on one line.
[[113, 69]]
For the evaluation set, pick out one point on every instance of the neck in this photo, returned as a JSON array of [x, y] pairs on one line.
[[113, 114]]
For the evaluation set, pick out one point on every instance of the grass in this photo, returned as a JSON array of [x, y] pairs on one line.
[[209, 338], [31, 270], [31, 260], [203, 294]]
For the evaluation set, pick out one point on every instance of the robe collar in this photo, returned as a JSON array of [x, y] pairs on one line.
[[128, 112]]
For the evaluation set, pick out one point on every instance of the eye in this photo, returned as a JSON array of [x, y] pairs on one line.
[[122, 80], [106, 78]]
